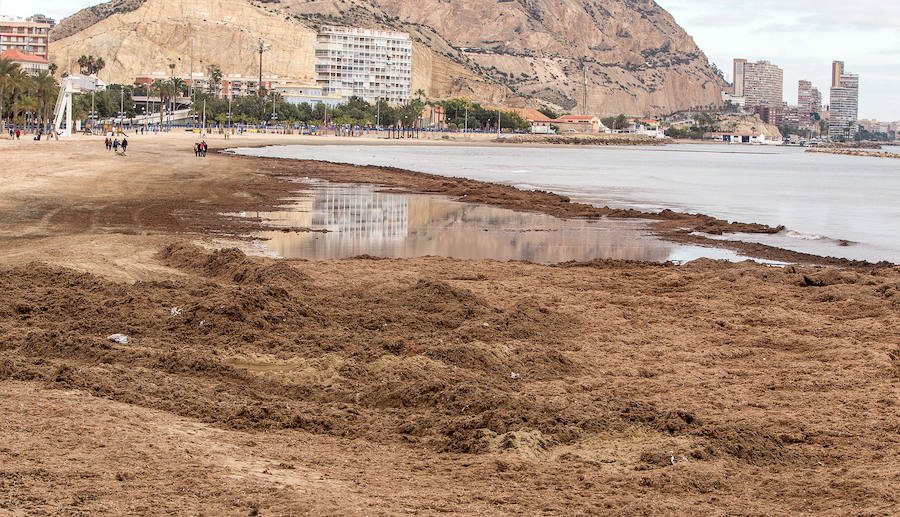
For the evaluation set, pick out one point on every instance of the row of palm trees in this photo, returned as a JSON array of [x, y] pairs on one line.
[[22, 94]]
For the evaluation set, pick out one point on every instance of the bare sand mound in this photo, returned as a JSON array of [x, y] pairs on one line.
[[602, 374]]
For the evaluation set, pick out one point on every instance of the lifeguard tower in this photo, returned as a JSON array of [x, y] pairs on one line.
[[72, 85]]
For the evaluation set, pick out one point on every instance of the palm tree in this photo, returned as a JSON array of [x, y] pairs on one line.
[[46, 88], [90, 65], [180, 86], [7, 70], [420, 94], [25, 104], [161, 88], [52, 68], [215, 77], [20, 82]]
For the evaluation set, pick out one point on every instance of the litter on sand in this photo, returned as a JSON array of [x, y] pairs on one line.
[[121, 339]]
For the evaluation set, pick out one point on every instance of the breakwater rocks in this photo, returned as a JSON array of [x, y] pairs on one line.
[[866, 144], [855, 152], [581, 140]]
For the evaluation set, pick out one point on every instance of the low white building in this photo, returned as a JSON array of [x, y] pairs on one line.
[[298, 92], [738, 100], [742, 138]]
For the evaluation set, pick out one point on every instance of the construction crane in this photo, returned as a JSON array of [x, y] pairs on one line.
[[72, 85]]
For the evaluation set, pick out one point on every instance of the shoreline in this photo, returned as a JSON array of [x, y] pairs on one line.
[[668, 225], [423, 385]]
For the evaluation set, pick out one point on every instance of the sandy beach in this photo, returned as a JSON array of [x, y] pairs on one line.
[[368, 386]]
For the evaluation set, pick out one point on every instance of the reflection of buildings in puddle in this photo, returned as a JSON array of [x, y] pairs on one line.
[[358, 220], [361, 212], [362, 221]]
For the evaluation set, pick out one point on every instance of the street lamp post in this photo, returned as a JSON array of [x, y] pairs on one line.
[[93, 115], [121, 107], [466, 130]]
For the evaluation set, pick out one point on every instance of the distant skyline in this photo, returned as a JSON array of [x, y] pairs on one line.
[[802, 37]]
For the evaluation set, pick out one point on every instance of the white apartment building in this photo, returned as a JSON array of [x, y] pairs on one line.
[[370, 64]]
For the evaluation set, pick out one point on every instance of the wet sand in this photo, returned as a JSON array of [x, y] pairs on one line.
[[367, 386]]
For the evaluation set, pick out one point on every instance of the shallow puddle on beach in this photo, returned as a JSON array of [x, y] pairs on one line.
[[360, 220]]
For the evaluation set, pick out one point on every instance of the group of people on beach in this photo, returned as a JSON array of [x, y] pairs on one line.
[[200, 149], [114, 143]]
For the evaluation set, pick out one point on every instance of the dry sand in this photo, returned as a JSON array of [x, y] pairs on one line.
[[373, 387]]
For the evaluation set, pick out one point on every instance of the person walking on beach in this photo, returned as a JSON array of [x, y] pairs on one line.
[[107, 143], [197, 149], [203, 148], [115, 145], [18, 134], [124, 145]]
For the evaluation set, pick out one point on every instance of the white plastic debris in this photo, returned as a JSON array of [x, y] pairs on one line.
[[485, 325], [513, 375], [176, 311], [121, 339]]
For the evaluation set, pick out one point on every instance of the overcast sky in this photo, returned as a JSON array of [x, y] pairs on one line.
[[800, 36]]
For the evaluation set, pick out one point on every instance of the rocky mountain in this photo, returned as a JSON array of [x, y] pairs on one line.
[[630, 54]]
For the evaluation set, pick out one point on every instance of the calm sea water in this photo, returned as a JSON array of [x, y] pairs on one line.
[[825, 201]]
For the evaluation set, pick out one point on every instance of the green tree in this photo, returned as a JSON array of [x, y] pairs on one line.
[[618, 122], [7, 70], [20, 83], [549, 113], [161, 89], [89, 65], [46, 88], [410, 112], [215, 77]]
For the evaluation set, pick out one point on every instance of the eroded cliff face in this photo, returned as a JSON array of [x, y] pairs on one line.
[[631, 54]]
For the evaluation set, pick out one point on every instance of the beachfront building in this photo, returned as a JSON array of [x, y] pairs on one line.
[[232, 86], [29, 63], [433, 117], [229, 86], [540, 123], [29, 36], [299, 92], [580, 123], [760, 83], [842, 121], [742, 138], [370, 64]]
